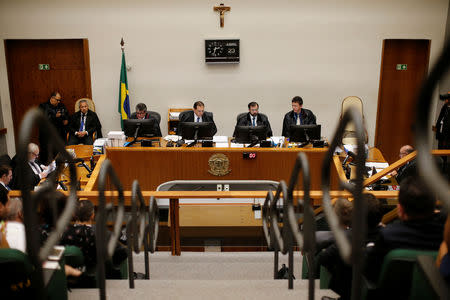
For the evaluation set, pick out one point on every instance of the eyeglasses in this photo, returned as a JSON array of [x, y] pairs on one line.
[[37, 155], [59, 100]]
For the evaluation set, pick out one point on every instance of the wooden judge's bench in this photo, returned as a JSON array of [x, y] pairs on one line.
[[233, 225]]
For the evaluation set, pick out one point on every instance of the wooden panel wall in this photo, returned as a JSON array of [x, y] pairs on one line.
[[153, 166]]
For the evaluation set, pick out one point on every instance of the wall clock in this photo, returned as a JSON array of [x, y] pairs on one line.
[[222, 51]]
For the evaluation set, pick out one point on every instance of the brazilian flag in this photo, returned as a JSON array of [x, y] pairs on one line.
[[124, 99]]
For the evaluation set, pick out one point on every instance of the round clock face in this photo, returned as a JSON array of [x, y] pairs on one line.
[[215, 49]]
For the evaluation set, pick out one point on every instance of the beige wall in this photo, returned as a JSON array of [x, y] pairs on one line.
[[321, 50]]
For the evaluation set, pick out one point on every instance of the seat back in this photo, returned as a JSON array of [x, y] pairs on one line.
[[90, 103], [396, 273], [240, 116], [155, 115], [349, 134], [182, 114], [244, 113], [16, 274]]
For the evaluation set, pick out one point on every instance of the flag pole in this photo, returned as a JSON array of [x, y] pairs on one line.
[[122, 43]]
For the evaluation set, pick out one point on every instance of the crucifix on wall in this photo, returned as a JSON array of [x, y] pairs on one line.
[[222, 9]]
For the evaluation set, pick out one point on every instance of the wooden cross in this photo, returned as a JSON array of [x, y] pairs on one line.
[[222, 9]]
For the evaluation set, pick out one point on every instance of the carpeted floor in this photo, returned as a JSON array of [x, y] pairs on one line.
[[205, 275]]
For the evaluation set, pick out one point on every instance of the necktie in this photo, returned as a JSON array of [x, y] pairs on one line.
[[297, 119], [198, 119], [35, 167], [7, 187], [82, 122], [254, 121]]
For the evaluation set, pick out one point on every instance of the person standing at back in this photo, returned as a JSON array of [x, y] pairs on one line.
[[297, 116], [56, 112]]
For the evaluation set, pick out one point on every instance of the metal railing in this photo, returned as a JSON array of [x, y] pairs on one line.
[[142, 230], [105, 248], [282, 240], [50, 141]]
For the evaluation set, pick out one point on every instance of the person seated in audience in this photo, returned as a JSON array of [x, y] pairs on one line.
[[15, 230], [198, 115], [141, 113], [83, 124], [34, 171], [443, 259], [5, 178], [51, 206], [297, 116], [420, 227], [343, 210], [81, 233], [254, 118], [3, 214], [341, 273], [56, 112]]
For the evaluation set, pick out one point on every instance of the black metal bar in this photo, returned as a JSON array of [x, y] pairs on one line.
[[266, 219], [136, 227], [153, 224], [307, 241], [105, 249], [350, 253], [427, 169], [279, 236], [49, 141], [276, 254]]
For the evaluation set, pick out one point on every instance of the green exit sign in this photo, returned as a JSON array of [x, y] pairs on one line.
[[402, 67], [44, 67]]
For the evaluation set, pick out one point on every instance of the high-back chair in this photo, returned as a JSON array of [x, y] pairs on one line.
[[244, 113], [349, 133], [396, 275], [90, 103], [155, 115]]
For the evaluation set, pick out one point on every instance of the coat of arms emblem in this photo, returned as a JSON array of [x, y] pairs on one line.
[[219, 164]]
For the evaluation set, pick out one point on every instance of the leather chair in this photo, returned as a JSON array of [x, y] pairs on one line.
[[155, 115], [349, 134], [90, 103]]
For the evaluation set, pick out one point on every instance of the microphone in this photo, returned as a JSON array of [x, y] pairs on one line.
[[349, 154]]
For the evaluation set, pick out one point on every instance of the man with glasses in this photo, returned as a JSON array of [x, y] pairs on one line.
[[56, 112], [34, 171], [254, 118], [141, 113]]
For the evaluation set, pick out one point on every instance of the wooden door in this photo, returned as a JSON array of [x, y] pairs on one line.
[[404, 65], [68, 73]]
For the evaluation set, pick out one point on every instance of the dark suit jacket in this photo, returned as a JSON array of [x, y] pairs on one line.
[[156, 127], [422, 234], [443, 128], [306, 116], [3, 191], [261, 120], [188, 116], [92, 123], [31, 179]]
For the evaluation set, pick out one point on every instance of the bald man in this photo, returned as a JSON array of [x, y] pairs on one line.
[[408, 169]]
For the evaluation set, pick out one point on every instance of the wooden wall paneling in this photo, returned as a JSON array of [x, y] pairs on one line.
[[153, 166], [398, 93], [69, 73]]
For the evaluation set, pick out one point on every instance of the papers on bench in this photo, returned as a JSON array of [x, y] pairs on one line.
[[174, 115], [378, 166]]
